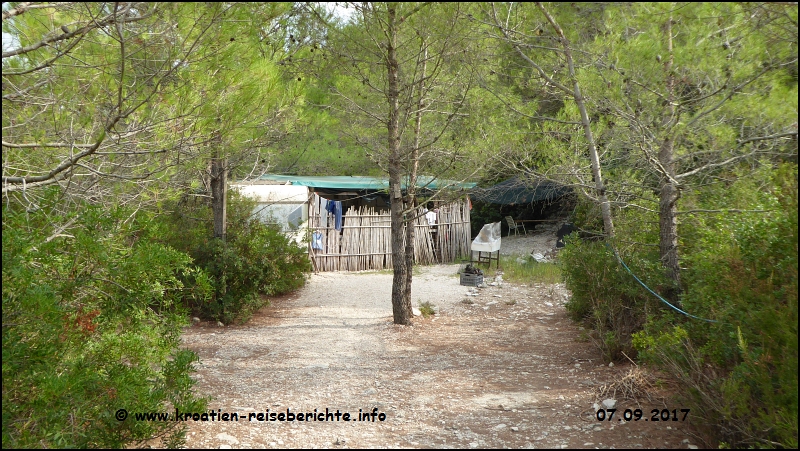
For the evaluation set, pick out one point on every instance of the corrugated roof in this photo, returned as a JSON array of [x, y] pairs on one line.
[[357, 182]]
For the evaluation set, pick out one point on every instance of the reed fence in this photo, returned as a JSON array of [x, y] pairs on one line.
[[365, 239]]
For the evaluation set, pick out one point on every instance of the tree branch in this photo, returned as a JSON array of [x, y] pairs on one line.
[[106, 21], [764, 138]]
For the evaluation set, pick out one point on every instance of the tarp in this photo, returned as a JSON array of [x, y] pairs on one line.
[[359, 183], [488, 240], [517, 191]]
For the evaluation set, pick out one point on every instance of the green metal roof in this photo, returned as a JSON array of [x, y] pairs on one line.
[[358, 182]]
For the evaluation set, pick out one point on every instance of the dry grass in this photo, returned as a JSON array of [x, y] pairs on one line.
[[637, 385]]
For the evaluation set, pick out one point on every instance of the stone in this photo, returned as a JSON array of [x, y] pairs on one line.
[[225, 447], [228, 438], [415, 311], [500, 426], [609, 403], [691, 446], [219, 323], [611, 364], [195, 320], [514, 428]]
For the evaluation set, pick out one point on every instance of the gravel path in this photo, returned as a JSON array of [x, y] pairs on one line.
[[500, 368]]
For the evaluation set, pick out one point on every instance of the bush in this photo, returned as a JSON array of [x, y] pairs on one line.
[[741, 372], [605, 297], [91, 324], [256, 260]]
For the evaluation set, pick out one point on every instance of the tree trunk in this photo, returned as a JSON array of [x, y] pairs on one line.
[[401, 305], [409, 251], [669, 193], [219, 189], [605, 206], [412, 181]]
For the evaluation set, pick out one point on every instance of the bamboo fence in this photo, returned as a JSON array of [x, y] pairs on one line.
[[365, 239]]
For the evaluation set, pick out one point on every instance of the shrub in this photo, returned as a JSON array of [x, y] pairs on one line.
[[91, 324], [605, 297], [256, 259], [426, 309], [740, 372]]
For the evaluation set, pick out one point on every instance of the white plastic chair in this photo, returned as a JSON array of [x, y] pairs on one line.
[[514, 226]]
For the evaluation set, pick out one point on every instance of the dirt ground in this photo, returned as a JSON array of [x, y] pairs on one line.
[[501, 366]]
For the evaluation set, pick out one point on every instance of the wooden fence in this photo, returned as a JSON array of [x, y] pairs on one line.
[[365, 239]]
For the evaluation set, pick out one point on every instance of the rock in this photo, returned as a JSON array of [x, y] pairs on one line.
[[225, 447], [369, 391], [228, 438], [195, 320], [514, 428], [691, 446], [609, 403], [219, 323], [611, 364], [415, 311], [499, 427], [539, 257]]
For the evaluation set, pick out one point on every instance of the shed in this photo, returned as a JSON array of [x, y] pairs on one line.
[[362, 241]]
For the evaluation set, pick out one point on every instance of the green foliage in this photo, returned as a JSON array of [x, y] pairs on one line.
[[746, 279], [91, 324], [605, 296], [426, 309], [256, 260]]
